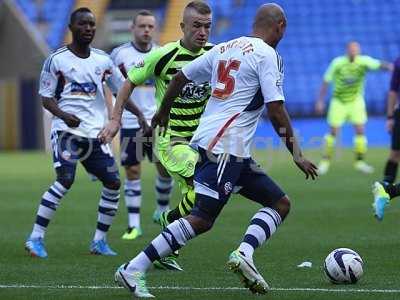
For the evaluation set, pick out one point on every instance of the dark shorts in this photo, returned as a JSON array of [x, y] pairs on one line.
[[135, 147], [217, 176], [395, 145], [96, 158]]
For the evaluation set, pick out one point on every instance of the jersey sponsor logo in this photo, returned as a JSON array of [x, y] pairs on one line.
[[192, 92], [350, 80], [83, 89]]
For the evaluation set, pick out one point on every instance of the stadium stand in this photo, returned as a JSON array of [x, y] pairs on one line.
[[51, 17], [317, 32]]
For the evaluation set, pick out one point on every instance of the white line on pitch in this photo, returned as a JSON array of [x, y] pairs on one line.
[[93, 287]]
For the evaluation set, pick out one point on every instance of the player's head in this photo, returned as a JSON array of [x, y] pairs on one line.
[[270, 23], [82, 25], [353, 49], [196, 24], [143, 26]]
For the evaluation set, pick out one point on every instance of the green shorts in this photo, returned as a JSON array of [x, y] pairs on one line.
[[340, 112], [180, 161]]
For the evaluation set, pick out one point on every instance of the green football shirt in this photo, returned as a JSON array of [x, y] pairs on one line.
[[162, 64], [348, 77]]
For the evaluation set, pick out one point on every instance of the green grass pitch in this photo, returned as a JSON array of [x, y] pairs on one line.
[[334, 211]]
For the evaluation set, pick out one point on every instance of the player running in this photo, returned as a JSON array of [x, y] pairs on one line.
[[244, 73], [348, 76], [71, 87], [135, 143], [173, 150]]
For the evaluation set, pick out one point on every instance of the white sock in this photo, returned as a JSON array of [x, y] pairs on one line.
[[108, 206], [47, 208], [173, 237], [262, 227], [163, 192], [133, 201]]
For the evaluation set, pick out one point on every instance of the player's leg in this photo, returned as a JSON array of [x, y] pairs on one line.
[[358, 117], [336, 117], [214, 182], [133, 201], [163, 189], [258, 187], [100, 162], [392, 163], [180, 161], [131, 156], [385, 190], [65, 158]]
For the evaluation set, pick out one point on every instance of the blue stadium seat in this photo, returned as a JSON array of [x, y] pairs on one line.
[[54, 13], [318, 30]]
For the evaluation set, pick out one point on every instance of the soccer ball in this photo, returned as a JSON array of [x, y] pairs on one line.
[[343, 265]]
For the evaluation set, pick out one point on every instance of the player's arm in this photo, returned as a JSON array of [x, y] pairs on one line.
[[47, 90], [386, 66], [374, 64], [51, 105], [270, 74], [392, 97], [113, 126], [136, 76], [134, 109], [161, 118], [328, 76], [281, 122]]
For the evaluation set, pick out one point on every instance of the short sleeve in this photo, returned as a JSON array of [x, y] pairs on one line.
[[144, 69], [200, 69], [371, 63], [270, 72], [329, 73], [48, 79], [395, 81]]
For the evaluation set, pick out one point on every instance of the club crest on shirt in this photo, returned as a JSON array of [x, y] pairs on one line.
[[139, 64], [97, 71]]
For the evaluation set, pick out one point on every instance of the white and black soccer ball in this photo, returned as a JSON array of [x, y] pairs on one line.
[[343, 265]]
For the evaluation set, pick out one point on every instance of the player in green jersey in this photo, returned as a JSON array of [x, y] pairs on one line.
[[347, 74], [172, 148]]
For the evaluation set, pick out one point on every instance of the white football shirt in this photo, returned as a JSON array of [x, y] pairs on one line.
[[77, 85], [126, 57], [244, 73]]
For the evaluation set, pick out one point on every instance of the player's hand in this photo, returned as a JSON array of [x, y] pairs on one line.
[[71, 120], [307, 167], [389, 125], [146, 129], [161, 120], [109, 131], [319, 107]]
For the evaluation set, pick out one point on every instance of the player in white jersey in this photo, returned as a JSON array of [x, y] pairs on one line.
[[135, 141], [71, 87], [245, 73]]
